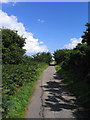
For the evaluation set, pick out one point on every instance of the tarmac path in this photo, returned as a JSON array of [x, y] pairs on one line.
[[51, 98]]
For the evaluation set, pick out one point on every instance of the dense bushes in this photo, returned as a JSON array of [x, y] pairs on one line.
[[13, 52], [12, 47], [61, 54], [77, 61], [15, 77], [43, 57], [19, 73]]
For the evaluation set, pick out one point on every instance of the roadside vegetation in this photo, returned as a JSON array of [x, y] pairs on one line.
[[73, 66], [19, 73]]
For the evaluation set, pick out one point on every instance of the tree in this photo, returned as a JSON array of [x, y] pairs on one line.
[[12, 47], [86, 37], [43, 57], [61, 54]]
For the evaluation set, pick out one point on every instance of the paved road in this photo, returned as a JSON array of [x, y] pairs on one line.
[[51, 98]]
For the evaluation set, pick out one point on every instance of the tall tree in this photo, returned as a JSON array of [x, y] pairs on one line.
[[12, 47]]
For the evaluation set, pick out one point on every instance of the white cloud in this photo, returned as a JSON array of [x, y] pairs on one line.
[[5, 1], [32, 45], [42, 21], [73, 43], [46, 0]]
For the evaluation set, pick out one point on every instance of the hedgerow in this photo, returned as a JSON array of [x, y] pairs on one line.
[[19, 73], [15, 77], [77, 61]]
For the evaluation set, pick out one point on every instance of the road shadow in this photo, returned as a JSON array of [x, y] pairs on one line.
[[52, 64], [60, 98]]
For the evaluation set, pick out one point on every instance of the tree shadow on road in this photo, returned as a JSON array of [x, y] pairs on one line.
[[59, 97]]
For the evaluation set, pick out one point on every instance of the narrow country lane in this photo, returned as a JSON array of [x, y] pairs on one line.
[[51, 98]]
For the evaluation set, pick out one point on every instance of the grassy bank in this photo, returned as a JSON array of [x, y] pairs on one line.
[[18, 85], [76, 85]]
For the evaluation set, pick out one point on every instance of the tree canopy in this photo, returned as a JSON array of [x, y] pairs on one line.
[[77, 59], [86, 36], [43, 57], [12, 47]]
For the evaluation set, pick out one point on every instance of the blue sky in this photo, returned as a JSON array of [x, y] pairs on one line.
[[53, 25]]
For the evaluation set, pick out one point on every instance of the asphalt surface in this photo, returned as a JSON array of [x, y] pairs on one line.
[[51, 98]]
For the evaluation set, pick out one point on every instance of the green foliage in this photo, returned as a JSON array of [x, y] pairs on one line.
[[61, 54], [19, 73], [43, 57], [75, 67], [18, 78], [86, 37], [80, 88], [12, 47], [27, 60], [77, 59]]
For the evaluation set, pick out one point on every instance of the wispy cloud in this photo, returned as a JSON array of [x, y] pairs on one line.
[[32, 44], [41, 21], [73, 43], [13, 2], [5, 1]]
